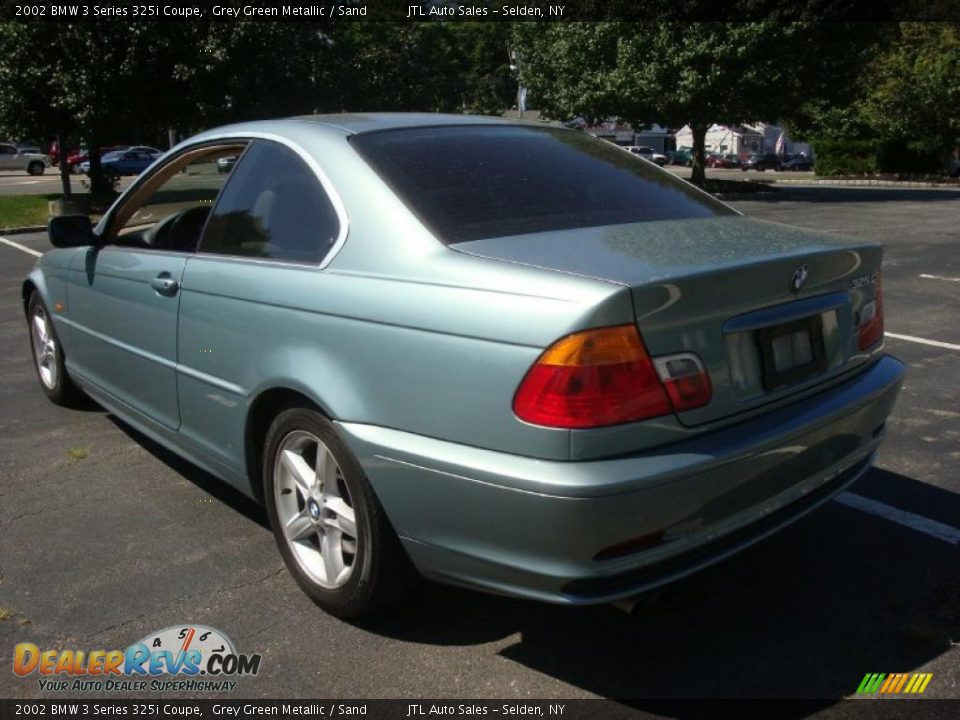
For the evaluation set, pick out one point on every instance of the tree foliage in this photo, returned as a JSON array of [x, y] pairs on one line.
[[694, 74], [103, 83], [902, 111], [913, 89]]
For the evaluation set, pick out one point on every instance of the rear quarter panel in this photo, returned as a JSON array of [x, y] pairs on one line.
[[441, 359]]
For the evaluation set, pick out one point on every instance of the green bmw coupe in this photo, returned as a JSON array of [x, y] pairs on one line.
[[497, 354]]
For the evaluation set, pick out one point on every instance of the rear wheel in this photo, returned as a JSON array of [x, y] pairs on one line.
[[36, 168], [330, 528], [48, 356]]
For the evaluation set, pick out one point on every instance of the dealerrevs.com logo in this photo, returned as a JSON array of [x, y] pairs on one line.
[[184, 658]]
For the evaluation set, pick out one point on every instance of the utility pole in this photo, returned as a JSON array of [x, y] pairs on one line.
[[515, 68]]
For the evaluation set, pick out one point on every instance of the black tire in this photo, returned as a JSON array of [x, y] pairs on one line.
[[381, 574], [61, 390], [35, 167]]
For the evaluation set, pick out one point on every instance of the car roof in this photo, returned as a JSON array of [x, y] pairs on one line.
[[354, 123]]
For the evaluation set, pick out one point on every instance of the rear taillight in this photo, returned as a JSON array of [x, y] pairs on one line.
[[871, 319], [600, 377], [687, 383]]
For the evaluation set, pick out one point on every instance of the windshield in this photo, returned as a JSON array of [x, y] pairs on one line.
[[470, 182]]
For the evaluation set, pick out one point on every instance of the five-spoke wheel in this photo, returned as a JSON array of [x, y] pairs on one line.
[[48, 355], [315, 509], [331, 530]]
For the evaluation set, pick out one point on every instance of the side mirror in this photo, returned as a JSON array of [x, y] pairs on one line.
[[70, 231]]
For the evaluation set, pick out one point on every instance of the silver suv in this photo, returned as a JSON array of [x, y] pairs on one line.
[[12, 158]]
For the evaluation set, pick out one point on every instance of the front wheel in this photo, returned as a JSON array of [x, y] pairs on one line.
[[331, 530], [36, 168], [48, 356]]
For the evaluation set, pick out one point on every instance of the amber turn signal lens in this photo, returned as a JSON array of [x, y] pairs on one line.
[[591, 379]]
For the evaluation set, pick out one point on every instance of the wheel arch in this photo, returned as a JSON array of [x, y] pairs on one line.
[[264, 407], [29, 287]]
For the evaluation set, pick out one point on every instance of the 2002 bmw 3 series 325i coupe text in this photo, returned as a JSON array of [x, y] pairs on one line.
[[490, 353]]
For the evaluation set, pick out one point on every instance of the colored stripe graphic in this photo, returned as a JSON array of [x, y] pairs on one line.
[[871, 682], [894, 683]]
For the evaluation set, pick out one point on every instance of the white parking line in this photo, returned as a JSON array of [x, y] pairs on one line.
[[923, 341], [18, 246], [939, 530], [938, 277]]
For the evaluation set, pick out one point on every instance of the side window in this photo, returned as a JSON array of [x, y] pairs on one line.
[[273, 207], [8, 150], [169, 211]]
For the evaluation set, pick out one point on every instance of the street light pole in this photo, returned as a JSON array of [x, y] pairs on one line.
[[521, 89]]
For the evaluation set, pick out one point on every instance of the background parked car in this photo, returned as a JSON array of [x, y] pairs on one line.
[[123, 162], [12, 158], [797, 162], [83, 156], [724, 161], [683, 157], [648, 153], [225, 164], [768, 161]]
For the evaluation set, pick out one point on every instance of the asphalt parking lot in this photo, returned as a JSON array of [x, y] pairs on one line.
[[105, 537]]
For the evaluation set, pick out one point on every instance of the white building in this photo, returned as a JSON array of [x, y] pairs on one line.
[[722, 140], [744, 140]]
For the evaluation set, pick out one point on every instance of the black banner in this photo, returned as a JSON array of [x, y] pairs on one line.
[[480, 10], [421, 709]]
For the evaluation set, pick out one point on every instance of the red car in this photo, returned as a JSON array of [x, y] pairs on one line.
[[723, 161], [54, 153], [82, 155]]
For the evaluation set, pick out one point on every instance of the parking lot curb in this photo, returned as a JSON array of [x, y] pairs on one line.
[[23, 230], [864, 183]]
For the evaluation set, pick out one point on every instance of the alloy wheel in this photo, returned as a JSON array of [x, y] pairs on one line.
[[44, 348], [315, 509]]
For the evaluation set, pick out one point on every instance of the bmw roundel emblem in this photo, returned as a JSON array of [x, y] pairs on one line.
[[799, 278]]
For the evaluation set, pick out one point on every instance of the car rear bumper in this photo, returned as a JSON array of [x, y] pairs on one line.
[[534, 528]]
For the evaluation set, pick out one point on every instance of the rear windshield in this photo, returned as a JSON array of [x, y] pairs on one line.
[[470, 182]]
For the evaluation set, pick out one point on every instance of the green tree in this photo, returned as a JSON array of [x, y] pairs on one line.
[[912, 89], [693, 74], [95, 82], [431, 66], [110, 82]]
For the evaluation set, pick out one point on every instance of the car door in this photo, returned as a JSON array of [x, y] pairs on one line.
[[123, 296], [273, 226]]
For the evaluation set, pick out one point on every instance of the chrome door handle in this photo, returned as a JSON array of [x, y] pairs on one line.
[[165, 285]]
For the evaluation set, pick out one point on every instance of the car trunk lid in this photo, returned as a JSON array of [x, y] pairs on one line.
[[770, 310]]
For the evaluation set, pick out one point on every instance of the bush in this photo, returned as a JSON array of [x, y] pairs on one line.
[[845, 157]]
